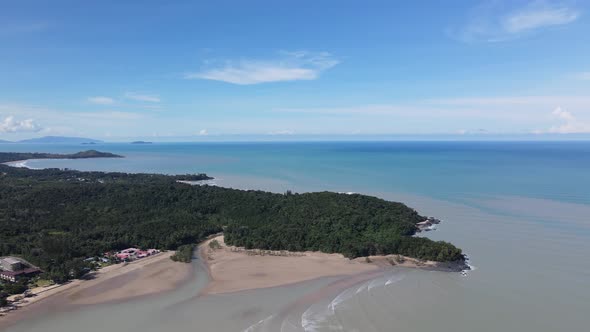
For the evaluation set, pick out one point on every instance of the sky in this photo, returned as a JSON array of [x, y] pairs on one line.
[[199, 70]]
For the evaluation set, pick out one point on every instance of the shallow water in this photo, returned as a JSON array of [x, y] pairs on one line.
[[520, 210]]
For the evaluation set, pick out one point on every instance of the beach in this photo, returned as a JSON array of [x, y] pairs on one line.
[[113, 283], [233, 269], [230, 269]]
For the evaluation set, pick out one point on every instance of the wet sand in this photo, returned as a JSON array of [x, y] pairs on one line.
[[234, 269], [146, 277], [230, 270], [113, 283]]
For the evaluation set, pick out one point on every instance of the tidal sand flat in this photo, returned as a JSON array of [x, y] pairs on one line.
[[113, 283], [235, 269]]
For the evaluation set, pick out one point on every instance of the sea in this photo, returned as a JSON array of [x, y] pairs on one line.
[[520, 210]]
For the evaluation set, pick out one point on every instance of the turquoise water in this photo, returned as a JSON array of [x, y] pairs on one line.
[[447, 170], [521, 210]]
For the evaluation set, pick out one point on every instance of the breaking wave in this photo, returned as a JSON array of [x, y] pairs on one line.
[[324, 317]]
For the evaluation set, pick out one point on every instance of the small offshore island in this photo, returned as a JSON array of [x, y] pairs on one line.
[[62, 221]]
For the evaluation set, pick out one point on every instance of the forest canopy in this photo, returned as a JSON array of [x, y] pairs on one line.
[[14, 156], [53, 218]]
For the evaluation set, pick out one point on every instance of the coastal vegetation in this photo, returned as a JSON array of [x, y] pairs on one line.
[[353, 225], [215, 245], [14, 156], [56, 218], [184, 253]]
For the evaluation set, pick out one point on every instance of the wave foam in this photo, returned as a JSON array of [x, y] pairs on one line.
[[260, 325], [317, 316], [394, 279], [200, 182]]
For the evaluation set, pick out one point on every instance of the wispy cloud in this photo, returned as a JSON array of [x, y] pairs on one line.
[[27, 119], [494, 23], [509, 114], [108, 115], [569, 123], [10, 125], [535, 18], [515, 101], [99, 100], [281, 132], [203, 132], [290, 66], [142, 97]]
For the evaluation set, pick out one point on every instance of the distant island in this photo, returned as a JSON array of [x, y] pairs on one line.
[[141, 142], [17, 156], [60, 140]]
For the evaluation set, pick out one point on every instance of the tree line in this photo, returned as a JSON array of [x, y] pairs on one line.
[[56, 218]]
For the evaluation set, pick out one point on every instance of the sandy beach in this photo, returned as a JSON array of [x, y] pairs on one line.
[[231, 269], [17, 163], [234, 269], [110, 284]]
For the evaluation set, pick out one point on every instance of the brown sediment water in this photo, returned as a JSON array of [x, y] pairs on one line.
[[409, 299], [521, 214]]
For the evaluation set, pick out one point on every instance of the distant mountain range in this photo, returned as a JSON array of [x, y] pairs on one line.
[[64, 140], [60, 140]]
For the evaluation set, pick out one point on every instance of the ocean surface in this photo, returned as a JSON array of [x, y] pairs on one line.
[[521, 210]]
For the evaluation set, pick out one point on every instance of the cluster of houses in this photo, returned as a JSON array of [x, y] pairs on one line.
[[12, 268], [126, 255], [131, 254]]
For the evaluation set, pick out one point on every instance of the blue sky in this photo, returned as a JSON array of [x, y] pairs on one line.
[[194, 70]]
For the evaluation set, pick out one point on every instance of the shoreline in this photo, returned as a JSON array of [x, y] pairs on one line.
[[19, 163], [233, 269], [230, 269], [111, 284]]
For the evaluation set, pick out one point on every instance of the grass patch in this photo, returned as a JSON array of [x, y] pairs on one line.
[[44, 283]]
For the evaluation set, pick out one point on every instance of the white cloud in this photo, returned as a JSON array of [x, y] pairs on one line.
[[291, 66], [535, 18], [484, 115], [99, 100], [108, 115], [203, 132], [491, 22], [142, 97], [561, 114], [570, 124], [80, 123], [10, 125], [578, 101], [282, 132]]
